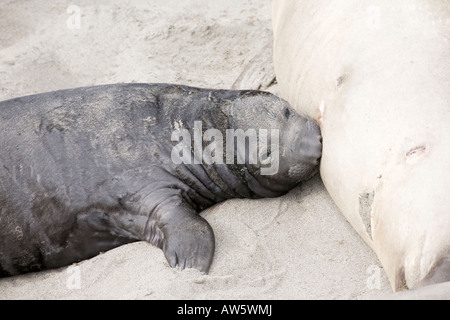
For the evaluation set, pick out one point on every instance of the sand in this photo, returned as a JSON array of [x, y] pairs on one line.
[[298, 246]]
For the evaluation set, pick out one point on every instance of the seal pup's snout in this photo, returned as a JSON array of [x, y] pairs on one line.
[[310, 143], [303, 148]]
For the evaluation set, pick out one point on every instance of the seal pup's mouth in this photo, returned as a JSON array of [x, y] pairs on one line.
[[309, 144]]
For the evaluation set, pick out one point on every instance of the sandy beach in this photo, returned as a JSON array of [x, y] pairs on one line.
[[298, 246]]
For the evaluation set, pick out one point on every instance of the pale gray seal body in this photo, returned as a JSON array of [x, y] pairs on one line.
[[85, 170]]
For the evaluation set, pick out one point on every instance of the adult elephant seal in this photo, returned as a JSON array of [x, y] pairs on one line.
[[89, 169], [376, 75]]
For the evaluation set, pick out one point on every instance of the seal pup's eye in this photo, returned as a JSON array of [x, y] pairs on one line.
[[287, 113]]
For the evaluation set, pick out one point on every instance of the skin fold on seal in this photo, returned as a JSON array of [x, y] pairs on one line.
[[86, 170]]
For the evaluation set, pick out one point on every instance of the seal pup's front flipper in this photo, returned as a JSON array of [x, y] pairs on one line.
[[188, 239], [163, 217]]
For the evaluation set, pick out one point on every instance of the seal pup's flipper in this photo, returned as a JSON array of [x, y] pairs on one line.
[[164, 218], [188, 239]]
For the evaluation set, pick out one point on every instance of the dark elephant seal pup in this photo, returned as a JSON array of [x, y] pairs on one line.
[[85, 170]]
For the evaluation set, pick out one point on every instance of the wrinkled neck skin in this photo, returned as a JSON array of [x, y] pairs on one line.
[[283, 160], [220, 181], [296, 139]]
